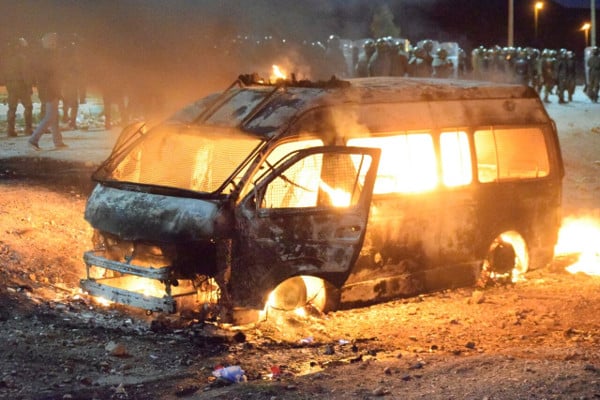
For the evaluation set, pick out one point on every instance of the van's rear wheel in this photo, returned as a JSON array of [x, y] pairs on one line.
[[506, 261]]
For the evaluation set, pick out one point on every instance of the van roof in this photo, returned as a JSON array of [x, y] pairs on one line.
[[265, 108], [429, 89]]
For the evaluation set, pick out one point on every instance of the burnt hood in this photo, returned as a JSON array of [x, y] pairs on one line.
[[134, 215]]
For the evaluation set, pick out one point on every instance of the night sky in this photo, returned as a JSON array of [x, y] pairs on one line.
[[474, 20]]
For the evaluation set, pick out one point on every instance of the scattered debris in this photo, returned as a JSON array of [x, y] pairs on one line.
[[232, 373], [116, 349]]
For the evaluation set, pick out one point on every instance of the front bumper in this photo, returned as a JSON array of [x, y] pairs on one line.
[[148, 288]]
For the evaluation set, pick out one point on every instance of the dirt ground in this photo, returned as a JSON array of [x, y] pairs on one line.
[[537, 339]]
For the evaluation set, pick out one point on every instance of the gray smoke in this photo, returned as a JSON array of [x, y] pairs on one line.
[[174, 51]]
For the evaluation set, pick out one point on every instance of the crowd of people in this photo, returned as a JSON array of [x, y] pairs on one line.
[[56, 67], [54, 75], [548, 71]]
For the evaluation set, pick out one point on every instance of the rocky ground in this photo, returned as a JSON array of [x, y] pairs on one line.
[[537, 339]]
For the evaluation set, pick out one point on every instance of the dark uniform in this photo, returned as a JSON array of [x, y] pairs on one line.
[[548, 72], [361, 69], [477, 62], [419, 65], [594, 75], [571, 74], [19, 85], [399, 65], [534, 69], [442, 66], [561, 75], [335, 59], [521, 67], [73, 91], [380, 63]]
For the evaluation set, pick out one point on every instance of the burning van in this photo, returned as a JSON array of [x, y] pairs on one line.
[[331, 194]]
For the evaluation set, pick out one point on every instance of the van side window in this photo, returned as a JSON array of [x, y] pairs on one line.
[[507, 154], [407, 165], [455, 159], [318, 180], [278, 153], [297, 187]]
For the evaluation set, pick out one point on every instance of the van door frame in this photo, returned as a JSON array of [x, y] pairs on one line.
[[273, 244]]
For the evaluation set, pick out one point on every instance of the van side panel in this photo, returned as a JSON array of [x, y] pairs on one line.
[[422, 242]]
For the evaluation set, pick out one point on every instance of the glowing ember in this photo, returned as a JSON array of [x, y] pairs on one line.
[[146, 287], [102, 301], [581, 236]]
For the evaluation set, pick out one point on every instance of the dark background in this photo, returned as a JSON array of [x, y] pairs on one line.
[[185, 44]]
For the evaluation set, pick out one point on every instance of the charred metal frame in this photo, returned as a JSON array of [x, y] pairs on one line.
[[245, 277]]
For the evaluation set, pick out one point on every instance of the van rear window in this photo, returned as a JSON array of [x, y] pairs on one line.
[[508, 154], [455, 159]]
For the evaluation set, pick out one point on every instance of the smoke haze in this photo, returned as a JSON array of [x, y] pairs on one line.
[[173, 51]]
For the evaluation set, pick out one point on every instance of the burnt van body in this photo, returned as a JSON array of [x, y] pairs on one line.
[[339, 194]]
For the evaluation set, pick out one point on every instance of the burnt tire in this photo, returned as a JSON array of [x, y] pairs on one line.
[[289, 295], [507, 259]]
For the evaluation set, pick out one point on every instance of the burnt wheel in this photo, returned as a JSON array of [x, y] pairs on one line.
[[303, 293], [289, 295], [506, 261]]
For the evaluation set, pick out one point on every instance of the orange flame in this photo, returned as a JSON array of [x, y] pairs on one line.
[[339, 197], [277, 73], [580, 236]]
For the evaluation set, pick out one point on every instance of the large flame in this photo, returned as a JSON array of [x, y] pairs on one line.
[[339, 197], [408, 163], [277, 73], [146, 287], [580, 236]]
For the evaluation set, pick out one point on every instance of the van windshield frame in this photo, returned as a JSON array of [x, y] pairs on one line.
[[188, 160]]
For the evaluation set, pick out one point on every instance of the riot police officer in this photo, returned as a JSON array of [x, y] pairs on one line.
[[381, 61], [594, 75], [334, 58], [19, 85], [571, 74], [442, 66], [361, 69], [419, 65], [533, 55], [399, 65], [561, 75], [73, 91], [521, 66], [477, 56], [548, 72]]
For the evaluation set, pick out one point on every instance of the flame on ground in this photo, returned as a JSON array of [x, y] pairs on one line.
[[581, 236]]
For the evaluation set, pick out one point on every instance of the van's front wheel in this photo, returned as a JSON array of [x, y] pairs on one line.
[[506, 261], [301, 293]]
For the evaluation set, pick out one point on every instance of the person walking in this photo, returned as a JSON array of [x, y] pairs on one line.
[[48, 86], [73, 90], [19, 85]]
